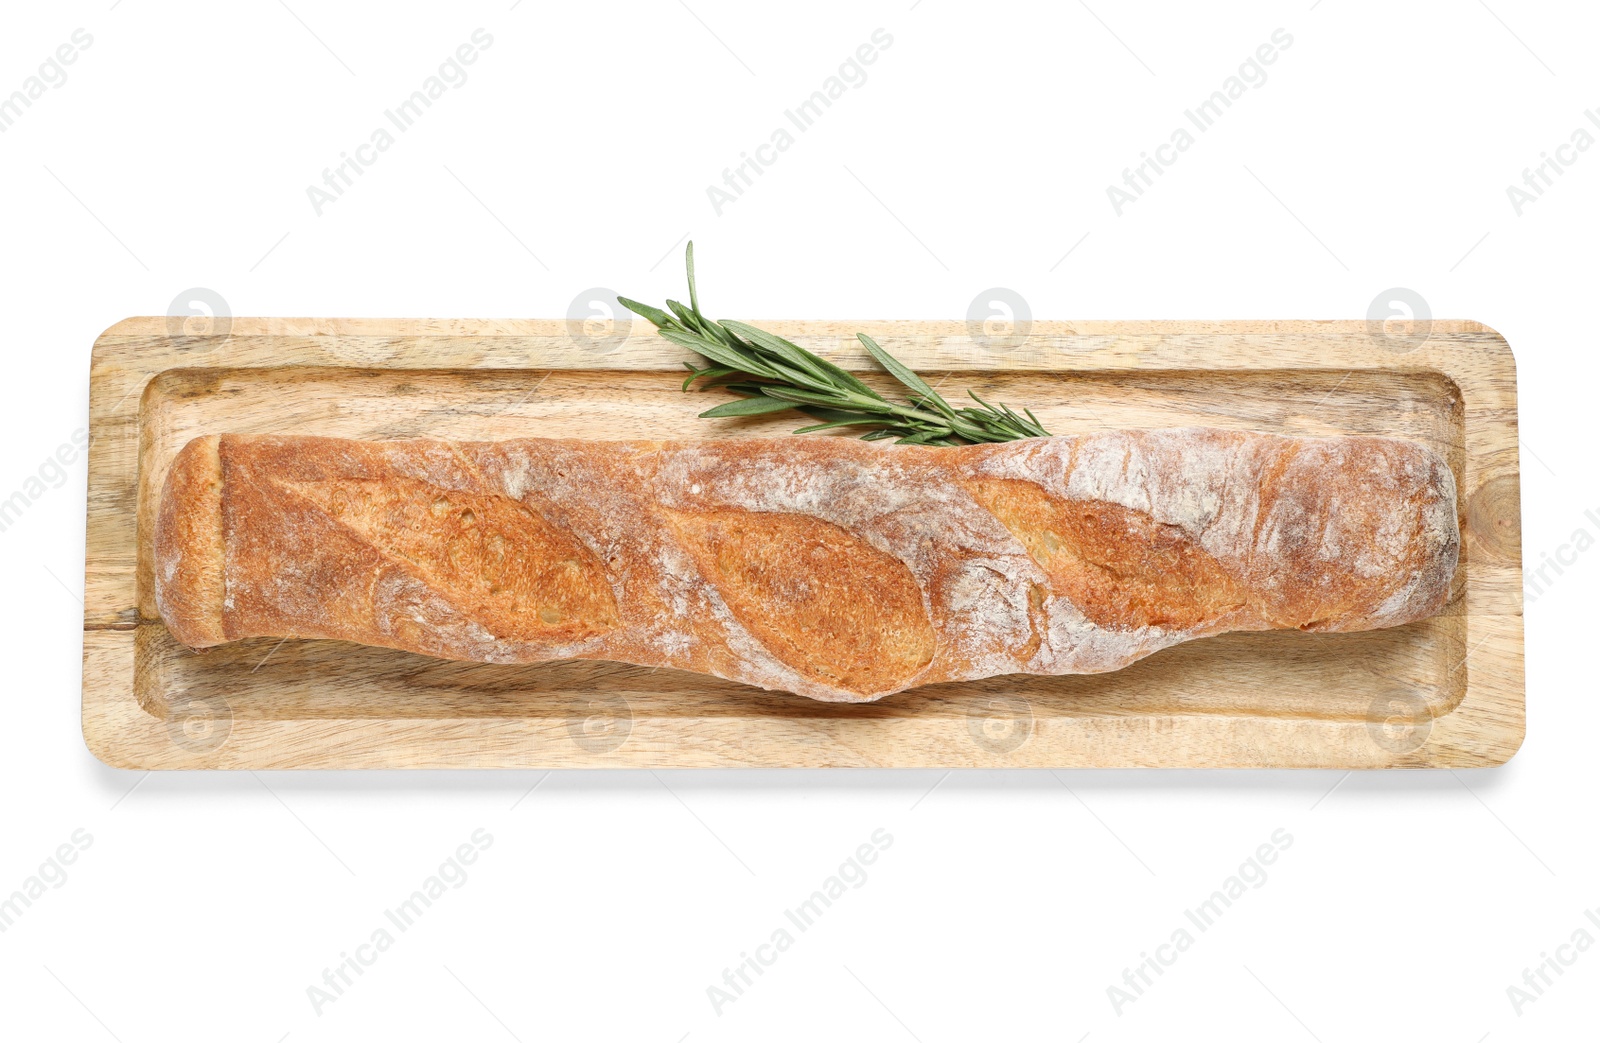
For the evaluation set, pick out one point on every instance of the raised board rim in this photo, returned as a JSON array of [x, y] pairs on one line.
[[1484, 729]]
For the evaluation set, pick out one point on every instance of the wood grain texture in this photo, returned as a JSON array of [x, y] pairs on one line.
[[1444, 692]]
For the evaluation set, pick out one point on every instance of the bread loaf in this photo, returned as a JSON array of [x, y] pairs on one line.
[[828, 567]]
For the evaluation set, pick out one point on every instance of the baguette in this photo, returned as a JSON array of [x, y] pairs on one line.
[[828, 567]]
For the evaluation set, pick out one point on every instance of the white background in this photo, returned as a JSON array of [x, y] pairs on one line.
[[977, 153]]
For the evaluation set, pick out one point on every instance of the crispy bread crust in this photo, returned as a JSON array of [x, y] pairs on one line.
[[829, 567], [188, 546]]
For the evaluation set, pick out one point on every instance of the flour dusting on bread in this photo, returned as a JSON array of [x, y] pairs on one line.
[[829, 567]]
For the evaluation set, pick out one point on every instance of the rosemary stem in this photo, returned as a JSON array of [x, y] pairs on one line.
[[771, 374]]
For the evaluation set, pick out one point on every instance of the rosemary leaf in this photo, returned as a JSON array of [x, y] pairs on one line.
[[748, 407], [730, 357], [694, 298], [816, 399], [905, 376], [852, 422], [796, 376], [794, 354], [773, 374], [655, 316]]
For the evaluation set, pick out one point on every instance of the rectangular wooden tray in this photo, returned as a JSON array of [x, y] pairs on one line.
[[1444, 692]]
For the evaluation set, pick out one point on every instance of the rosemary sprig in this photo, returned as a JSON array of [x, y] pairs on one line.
[[772, 374]]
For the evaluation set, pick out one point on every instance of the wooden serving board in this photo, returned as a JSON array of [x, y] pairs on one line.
[[1444, 692]]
